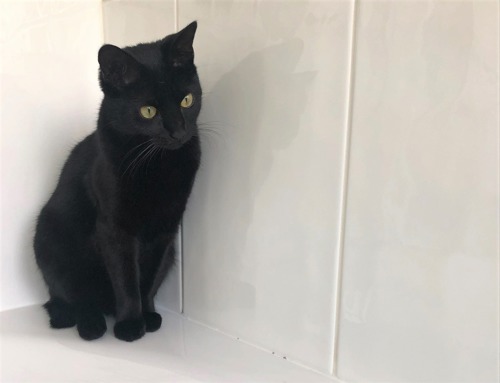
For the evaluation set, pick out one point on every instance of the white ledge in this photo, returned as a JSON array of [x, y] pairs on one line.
[[181, 351]]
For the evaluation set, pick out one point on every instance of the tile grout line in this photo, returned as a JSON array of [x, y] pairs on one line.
[[180, 235], [176, 15], [180, 249], [104, 39], [256, 346], [498, 177], [345, 178]]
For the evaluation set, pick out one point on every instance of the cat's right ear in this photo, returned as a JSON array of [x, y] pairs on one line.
[[118, 69]]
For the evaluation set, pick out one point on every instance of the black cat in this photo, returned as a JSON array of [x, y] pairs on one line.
[[105, 240]]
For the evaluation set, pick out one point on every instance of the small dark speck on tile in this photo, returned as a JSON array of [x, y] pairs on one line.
[[284, 357]]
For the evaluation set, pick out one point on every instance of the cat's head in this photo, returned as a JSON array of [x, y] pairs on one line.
[[152, 90]]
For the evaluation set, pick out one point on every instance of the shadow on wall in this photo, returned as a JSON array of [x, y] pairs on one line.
[[256, 109]]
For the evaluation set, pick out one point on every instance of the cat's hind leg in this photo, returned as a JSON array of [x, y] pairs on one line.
[[61, 314], [89, 321]]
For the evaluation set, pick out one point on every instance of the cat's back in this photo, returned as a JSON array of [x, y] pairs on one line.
[[81, 158], [71, 193]]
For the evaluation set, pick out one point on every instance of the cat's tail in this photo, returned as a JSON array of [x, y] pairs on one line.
[[61, 314]]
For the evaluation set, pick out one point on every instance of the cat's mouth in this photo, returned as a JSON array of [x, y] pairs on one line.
[[171, 144]]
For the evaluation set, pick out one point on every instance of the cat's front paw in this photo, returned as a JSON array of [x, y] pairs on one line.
[[130, 330], [153, 321], [90, 324]]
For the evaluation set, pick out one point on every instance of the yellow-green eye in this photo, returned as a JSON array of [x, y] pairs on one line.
[[148, 112], [187, 101]]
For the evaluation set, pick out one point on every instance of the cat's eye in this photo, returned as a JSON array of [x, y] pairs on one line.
[[187, 101], [148, 112]]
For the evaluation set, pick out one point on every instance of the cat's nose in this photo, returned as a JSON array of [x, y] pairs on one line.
[[177, 134], [175, 126]]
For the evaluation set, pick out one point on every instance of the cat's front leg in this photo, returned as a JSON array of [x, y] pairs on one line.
[[120, 252], [154, 273]]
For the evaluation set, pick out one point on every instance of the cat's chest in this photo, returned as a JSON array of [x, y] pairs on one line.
[[155, 204]]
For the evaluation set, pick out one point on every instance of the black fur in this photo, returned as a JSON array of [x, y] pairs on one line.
[[104, 241]]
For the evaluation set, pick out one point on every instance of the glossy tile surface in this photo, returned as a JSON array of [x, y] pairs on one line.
[[261, 225], [128, 23], [420, 297], [181, 351], [49, 95], [137, 21]]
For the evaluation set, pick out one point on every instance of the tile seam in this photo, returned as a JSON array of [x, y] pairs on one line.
[[345, 179]]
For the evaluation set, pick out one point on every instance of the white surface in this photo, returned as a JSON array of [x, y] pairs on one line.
[[260, 228], [49, 97], [420, 296], [132, 22], [181, 351], [128, 23]]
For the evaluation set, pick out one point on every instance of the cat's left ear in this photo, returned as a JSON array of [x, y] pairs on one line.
[[181, 50]]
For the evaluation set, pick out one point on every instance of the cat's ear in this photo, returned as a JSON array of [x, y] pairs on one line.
[[181, 50], [117, 67]]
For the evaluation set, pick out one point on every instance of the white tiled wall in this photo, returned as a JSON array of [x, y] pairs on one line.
[[260, 243], [420, 297], [354, 133], [49, 97]]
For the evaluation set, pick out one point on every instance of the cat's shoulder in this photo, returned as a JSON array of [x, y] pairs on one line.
[[81, 156], [87, 147]]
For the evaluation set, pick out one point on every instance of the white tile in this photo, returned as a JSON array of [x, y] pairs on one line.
[[181, 351], [169, 295], [132, 22], [261, 225], [420, 287], [49, 100]]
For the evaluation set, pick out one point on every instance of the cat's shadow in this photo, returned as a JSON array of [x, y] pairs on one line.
[[256, 109]]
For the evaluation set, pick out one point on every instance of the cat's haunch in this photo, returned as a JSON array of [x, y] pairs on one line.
[[104, 241]]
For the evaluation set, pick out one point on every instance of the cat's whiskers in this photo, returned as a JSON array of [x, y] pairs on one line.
[[133, 164], [130, 152], [204, 129], [144, 157], [210, 132]]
